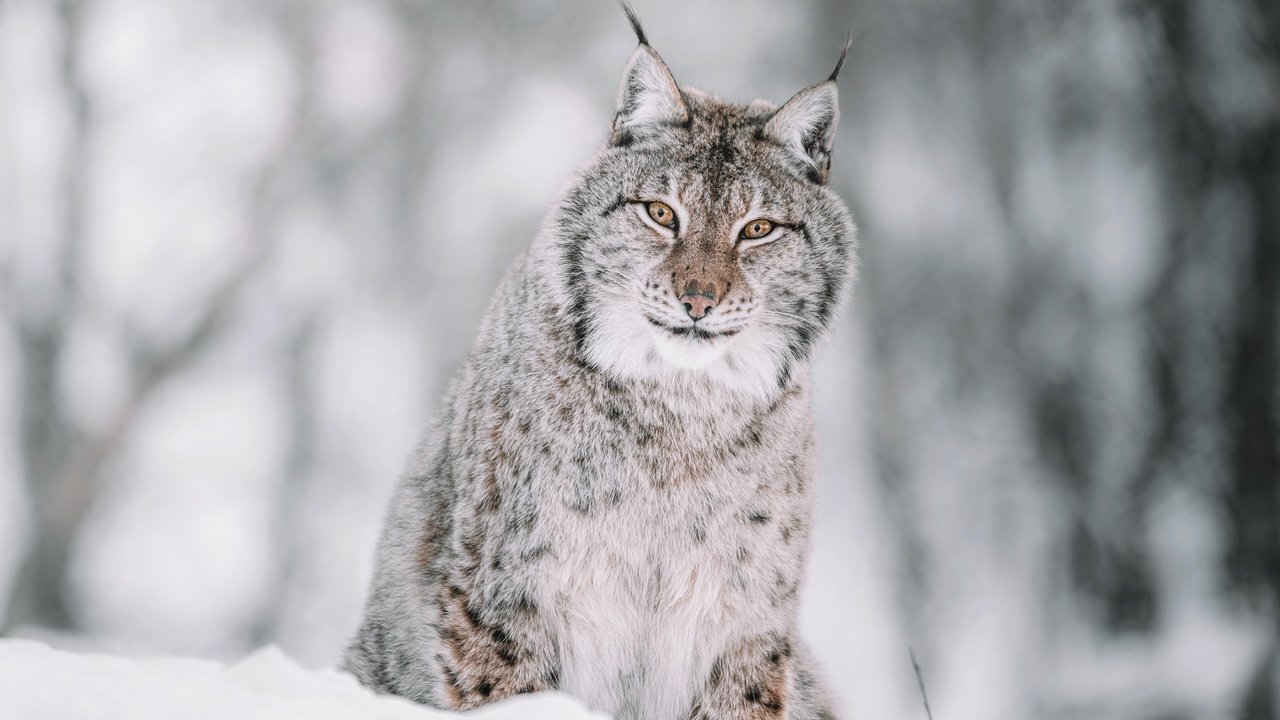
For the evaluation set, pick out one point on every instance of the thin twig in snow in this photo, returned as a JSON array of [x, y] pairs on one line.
[[920, 679]]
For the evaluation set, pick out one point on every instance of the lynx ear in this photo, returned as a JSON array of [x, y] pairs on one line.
[[806, 125], [648, 99]]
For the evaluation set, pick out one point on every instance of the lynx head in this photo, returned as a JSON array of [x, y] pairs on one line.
[[703, 238]]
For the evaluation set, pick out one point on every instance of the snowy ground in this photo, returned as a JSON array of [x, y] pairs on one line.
[[39, 683]]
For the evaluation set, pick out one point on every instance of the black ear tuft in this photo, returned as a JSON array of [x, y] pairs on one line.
[[635, 21], [844, 54]]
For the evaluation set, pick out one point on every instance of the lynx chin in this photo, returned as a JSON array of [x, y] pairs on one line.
[[615, 501]]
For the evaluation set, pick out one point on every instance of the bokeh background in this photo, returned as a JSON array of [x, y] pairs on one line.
[[245, 243]]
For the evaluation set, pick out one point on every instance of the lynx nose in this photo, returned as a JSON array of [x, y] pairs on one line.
[[698, 303]]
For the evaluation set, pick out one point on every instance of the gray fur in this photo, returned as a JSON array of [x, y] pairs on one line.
[[616, 501]]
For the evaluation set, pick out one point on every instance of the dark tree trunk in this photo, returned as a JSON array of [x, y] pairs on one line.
[[59, 500], [1252, 378], [1252, 396], [1204, 153]]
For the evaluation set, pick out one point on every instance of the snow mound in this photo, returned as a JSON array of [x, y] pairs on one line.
[[38, 682]]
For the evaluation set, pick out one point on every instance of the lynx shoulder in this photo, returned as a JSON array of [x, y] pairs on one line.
[[616, 499]]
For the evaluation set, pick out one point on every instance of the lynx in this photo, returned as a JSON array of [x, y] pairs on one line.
[[616, 499]]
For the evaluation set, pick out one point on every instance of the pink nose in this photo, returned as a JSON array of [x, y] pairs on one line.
[[698, 304]]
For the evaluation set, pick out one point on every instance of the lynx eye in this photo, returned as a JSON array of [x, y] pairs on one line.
[[662, 214], [756, 229]]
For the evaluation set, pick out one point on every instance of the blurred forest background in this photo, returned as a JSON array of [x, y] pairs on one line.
[[244, 244]]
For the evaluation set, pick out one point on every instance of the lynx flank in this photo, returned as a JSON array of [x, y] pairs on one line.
[[616, 499]]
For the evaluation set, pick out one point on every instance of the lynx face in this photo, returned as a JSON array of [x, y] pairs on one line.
[[704, 238]]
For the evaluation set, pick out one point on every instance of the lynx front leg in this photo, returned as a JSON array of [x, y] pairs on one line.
[[488, 656], [751, 681]]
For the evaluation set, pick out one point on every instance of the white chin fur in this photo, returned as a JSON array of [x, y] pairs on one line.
[[627, 345], [689, 354]]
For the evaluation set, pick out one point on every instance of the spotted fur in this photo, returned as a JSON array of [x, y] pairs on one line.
[[616, 500]]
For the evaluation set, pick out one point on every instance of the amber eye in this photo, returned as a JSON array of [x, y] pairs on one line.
[[662, 214], [757, 229]]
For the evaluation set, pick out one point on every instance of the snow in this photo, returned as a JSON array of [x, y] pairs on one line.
[[37, 682]]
